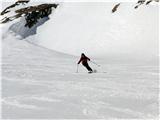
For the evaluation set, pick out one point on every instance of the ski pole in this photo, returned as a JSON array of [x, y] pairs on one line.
[[77, 68], [95, 63]]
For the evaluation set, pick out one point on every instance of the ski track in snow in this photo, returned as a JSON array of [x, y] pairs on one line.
[[39, 83]]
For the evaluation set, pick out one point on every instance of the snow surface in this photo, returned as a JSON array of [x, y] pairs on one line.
[[41, 83], [92, 28]]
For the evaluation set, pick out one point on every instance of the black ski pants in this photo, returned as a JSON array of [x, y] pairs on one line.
[[87, 66]]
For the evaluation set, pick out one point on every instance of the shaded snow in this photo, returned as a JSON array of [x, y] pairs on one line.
[[20, 29]]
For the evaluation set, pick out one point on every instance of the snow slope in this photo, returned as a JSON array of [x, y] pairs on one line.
[[41, 83], [92, 28]]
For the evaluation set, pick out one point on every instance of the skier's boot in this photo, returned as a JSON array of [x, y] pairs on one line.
[[90, 72]]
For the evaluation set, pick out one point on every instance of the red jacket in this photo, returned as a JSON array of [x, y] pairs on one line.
[[83, 60]]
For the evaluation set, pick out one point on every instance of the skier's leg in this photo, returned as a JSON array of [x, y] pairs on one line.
[[85, 65], [88, 68]]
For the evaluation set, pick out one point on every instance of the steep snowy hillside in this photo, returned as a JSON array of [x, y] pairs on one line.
[[92, 28]]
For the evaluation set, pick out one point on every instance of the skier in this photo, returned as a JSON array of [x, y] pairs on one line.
[[84, 60]]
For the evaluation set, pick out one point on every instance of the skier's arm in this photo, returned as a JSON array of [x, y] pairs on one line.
[[79, 60], [88, 58]]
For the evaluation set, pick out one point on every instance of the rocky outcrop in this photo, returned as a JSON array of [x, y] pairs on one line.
[[139, 3], [31, 13], [115, 7], [146, 2], [7, 9]]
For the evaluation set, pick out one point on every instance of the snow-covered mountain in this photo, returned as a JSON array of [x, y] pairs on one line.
[[92, 28], [39, 64]]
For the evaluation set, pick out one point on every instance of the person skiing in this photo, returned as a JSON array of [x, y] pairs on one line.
[[84, 59]]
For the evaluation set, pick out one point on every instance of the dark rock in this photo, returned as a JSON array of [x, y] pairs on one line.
[[115, 7]]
